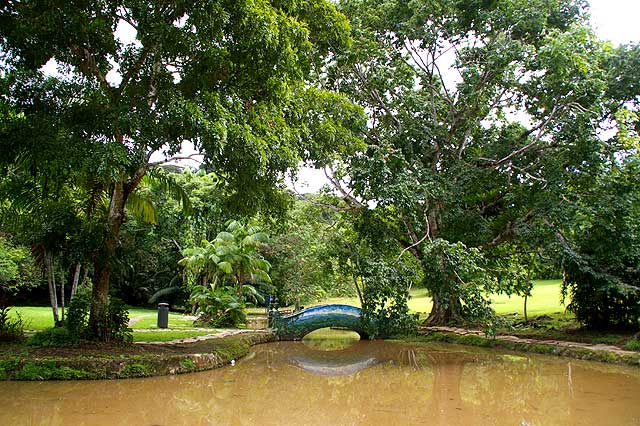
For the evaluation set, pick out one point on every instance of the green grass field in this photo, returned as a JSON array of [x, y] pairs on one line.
[[41, 318], [148, 319], [544, 300]]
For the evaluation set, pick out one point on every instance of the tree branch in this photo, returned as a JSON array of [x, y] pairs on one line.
[[509, 230], [540, 131], [414, 237], [324, 205], [177, 158], [346, 195]]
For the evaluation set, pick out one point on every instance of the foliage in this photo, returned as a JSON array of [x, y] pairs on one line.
[[48, 370], [56, 336], [306, 265], [384, 310], [77, 321], [226, 77], [601, 255], [146, 269], [459, 162], [114, 327], [219, 307], [231, 259], [11, 329], [456, 274], [17, 268], [632, 345]]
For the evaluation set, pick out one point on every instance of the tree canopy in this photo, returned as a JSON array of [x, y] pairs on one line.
[[137, 78], [482, 116], [467, 139]]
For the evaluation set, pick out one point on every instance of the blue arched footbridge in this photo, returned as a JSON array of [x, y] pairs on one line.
[[299, 324]]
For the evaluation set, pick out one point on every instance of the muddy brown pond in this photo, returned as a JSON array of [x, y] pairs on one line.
[[325, 382]]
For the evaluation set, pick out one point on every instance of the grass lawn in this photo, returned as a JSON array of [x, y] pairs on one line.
[[544, 300], [148, 318], [40, 318], [34, 317]]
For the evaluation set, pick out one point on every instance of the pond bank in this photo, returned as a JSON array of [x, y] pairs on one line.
[[129, 361], [586, 351]]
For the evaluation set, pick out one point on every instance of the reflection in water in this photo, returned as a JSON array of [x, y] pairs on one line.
[[342, 362], [328, 339], [421, 384]]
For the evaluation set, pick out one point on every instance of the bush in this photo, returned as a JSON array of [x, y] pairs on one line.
[[219, 307], [603, 296], [57, 336], [385, 311], [11, 329], [632, 345], [114, 325]]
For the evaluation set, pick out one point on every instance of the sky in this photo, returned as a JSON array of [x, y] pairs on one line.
[[616, 20]]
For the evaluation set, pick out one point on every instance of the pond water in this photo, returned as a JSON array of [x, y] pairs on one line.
[[346, 382]]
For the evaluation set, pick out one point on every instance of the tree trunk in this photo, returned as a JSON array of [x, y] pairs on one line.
[[102, 262], [74, 281], [526, 318], [51, 281], [62, 293], [446, 309], [360, 297]]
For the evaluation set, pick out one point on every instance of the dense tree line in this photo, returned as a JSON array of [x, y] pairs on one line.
[[469, 144]]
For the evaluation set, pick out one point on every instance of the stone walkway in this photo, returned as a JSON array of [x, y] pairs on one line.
[[558, 343]]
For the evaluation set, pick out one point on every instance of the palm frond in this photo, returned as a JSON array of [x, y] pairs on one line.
[[157, 176], [142, 207], [163, 292]]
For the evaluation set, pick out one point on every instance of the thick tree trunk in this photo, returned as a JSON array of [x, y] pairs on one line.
[[102, 262], [446, 309]]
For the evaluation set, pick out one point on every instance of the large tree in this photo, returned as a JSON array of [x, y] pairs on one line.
[[481, 115], [138, 77]]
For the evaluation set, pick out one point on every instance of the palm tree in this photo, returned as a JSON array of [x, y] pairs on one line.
[[233, 258]]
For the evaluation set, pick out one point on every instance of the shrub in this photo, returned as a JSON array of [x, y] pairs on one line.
[[11, 329], [114, 325], [385, 311], [632, 345], [219, 307], [57, 336]]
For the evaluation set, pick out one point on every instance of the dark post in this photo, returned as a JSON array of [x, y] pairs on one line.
[[163, 315]]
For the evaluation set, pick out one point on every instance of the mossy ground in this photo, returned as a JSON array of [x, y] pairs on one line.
[[539, 347], [104, 361]]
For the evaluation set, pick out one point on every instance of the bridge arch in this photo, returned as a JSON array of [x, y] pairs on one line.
[[299, 324]]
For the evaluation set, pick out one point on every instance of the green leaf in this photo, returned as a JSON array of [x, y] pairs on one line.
[[225, 267]]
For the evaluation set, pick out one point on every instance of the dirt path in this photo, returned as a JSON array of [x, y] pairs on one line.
[[218, 334], [139, 318]]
